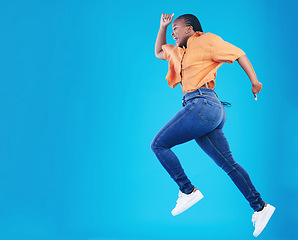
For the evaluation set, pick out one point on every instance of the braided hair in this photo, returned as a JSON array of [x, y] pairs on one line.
[[192, 20]]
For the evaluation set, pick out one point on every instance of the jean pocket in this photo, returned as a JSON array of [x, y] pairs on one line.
[[210, 111]]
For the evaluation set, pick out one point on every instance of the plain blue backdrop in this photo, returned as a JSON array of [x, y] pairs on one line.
[[82, 96]]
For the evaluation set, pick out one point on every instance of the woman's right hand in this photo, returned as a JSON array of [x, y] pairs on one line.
[[256, 88], [166, 19]]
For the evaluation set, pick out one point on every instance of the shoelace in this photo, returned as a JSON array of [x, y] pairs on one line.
[[254, 219]]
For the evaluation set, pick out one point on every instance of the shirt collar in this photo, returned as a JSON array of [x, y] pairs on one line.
[[196, 34]]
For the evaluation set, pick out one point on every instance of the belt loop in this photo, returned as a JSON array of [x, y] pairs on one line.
[[200, 92]]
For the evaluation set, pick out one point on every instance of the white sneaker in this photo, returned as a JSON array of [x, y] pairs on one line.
[[185, 201], [260, 219]]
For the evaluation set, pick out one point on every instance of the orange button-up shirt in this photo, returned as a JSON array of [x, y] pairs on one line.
[[198, 63]]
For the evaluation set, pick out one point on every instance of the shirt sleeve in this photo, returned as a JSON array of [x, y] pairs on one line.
[[167, 51], [223, 51]]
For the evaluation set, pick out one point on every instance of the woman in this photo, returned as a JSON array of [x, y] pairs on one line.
[[193, 63]]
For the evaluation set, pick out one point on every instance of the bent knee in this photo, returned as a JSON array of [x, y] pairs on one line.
[[157, 144], [154, 144]]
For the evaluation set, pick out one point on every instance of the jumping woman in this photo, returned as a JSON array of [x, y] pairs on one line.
[[193, 62]]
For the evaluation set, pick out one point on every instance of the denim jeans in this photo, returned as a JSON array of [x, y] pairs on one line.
[[202, 118]]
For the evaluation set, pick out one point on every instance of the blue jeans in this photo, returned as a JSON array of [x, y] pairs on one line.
[[202, 118]]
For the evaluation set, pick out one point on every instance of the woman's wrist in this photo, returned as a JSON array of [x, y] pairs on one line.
[[254, 81], [162, 28]]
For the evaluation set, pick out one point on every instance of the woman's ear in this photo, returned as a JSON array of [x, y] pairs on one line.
[[189, 29]]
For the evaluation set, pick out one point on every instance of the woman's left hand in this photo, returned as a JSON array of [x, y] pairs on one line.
[[256, 88]]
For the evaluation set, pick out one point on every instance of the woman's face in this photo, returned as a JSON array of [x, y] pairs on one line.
[[179, 32]]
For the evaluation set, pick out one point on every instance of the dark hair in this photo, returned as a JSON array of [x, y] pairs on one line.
[[192, 20]]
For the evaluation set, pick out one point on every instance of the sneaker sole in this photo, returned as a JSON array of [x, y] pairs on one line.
[[268, 216], [188, 204]]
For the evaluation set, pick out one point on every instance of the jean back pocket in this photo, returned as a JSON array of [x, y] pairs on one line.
[[210, 111]]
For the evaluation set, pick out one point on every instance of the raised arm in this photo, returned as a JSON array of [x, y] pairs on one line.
[[165, 21], [247, 67]]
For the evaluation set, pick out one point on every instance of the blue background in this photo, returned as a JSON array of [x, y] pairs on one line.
[[82, 96]]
